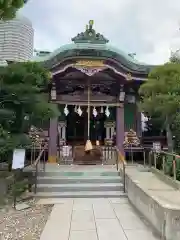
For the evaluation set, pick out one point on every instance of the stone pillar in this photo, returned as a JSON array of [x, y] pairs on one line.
[[64, 132], [112, 132], [120, 128], [53, 133], [107, 132]]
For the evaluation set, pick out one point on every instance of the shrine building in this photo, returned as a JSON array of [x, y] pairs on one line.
[[95, 87]]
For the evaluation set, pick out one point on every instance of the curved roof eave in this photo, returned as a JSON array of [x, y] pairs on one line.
[[121, 56]]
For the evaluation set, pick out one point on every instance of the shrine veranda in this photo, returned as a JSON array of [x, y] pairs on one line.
[[91, 74]]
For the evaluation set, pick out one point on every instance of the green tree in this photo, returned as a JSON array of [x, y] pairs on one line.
[[8, 8], [175, 57], [161, 96], [23, 102]]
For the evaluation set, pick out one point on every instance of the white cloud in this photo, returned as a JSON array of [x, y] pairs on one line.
[[147, 27]]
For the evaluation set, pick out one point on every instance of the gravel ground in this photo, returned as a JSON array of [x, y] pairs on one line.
[[26, 224]]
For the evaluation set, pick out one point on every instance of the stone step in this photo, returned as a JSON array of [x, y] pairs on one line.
[[77, 179], [80, 187], [79, 173], [83, 194]]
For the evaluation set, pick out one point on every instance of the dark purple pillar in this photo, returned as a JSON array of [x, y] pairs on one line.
[[53, 131], [120, 128]]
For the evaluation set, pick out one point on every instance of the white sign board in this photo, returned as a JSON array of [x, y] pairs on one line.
[[157, 146], [18, 159], [66, 151]]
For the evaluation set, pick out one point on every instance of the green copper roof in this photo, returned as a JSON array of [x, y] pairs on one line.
[[120, 55], [90, 40], [81, 46]]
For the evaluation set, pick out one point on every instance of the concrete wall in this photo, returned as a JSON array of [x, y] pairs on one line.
[[164, 219]]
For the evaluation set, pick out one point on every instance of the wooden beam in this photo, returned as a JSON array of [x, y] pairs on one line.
[[94, 104]]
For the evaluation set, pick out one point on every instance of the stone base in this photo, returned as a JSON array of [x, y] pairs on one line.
[[108, 142], [52, 159]]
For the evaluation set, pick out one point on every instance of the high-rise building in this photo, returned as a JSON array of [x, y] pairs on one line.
[[16, 39]]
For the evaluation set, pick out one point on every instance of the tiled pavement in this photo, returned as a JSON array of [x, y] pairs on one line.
[[94, 219]]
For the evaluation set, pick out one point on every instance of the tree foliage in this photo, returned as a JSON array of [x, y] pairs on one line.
[[161, 95], [175, 57], [23, 102], [8, 8]]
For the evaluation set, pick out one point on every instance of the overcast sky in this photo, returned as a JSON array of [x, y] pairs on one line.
[[148, 27]]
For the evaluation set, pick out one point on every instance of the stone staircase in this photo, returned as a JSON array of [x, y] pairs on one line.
[[81, 183]]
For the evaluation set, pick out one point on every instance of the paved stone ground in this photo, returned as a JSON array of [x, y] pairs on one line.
[[26, 224], [95, 219]]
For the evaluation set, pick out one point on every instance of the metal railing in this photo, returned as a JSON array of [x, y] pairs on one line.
[[131, 150], [120, 160], [23, 180], [37, 164], [168, 163]]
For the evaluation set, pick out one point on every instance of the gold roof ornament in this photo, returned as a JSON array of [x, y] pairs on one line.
[[91, 23], [89, 63], [89, 67], [90, 35]]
